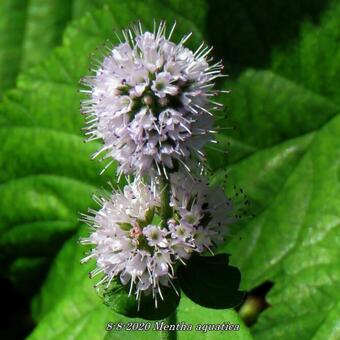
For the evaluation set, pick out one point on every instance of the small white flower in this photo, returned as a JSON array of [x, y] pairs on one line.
[[134, 245], [155, 236], [162, 85], [191, 215], [202, 238], [205, 209], [162, 263], [150, 101], [181, 231], [135, 266]]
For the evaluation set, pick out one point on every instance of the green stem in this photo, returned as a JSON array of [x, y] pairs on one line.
[[170, 335]]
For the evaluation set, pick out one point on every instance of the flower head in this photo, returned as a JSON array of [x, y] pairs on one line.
[[150, 101], [132, 245]]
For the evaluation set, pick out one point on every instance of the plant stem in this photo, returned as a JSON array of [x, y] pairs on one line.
[[170, 320]]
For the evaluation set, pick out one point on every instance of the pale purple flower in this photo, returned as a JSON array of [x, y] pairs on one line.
[[155, 236], [134, 245], [150, 101], [162, 85]]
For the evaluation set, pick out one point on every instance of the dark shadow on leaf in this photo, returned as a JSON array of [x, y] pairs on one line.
[[210, 282], [244, 32], [16, 321]]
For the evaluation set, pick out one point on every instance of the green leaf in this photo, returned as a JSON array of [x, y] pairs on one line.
[[37, 214], [271, 166], [43, 189], [267, 109], [314, 62], [118, 298], [210, 282], [301, 255], [195, 10], [76, 311], [12, 26], [294, 183], [26, 273], [28, 31], [45, 23]]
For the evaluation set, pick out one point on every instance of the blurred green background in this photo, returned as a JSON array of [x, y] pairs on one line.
[[283, 58]]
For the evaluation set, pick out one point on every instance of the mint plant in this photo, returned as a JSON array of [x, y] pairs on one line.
[[284, 66], [151, 103]]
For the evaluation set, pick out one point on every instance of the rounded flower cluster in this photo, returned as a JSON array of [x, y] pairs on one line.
[[150, 101], [134, 245]]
